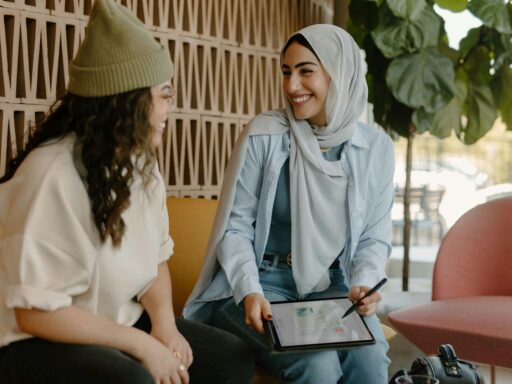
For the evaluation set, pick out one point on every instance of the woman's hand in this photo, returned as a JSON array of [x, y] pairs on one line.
[[163, 366], [257, 309], [180, 348], [176, 344], [369, 304]]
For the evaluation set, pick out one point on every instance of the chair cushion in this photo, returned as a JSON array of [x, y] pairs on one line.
[[478, 327], [190, 223]]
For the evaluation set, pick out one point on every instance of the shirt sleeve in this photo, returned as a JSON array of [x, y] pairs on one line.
[[47, 245], [166, 242], [235, 251], [374, 246], [40, 275]]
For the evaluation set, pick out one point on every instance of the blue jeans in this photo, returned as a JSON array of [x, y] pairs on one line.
[[357, 365]]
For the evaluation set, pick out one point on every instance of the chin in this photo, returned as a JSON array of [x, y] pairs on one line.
[[301, 116], [157, 140]]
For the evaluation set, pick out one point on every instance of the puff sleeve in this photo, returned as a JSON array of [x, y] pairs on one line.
[[48, 243]]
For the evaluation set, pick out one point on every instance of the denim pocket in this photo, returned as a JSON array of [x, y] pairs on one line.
[[266, 266], [337, 279]]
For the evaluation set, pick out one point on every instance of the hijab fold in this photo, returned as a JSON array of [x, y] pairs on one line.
[[318, 187]]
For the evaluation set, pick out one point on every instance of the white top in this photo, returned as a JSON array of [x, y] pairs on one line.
[[51, 255]]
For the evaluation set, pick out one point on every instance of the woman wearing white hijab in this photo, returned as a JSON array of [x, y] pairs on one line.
[[313, 184]]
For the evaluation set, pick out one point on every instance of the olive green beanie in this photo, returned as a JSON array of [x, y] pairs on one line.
[[118, 54]]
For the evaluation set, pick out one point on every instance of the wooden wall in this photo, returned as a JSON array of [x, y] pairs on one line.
[[226, 56]]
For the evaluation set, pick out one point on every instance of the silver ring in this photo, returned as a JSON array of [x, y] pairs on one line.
[[182, 367]]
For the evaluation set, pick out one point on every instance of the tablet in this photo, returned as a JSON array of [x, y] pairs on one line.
[[316, 324]]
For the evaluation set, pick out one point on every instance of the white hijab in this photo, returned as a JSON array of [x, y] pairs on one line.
[[318, 187], [319, 231]]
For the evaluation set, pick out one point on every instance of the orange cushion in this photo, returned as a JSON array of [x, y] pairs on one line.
[[190, 222]]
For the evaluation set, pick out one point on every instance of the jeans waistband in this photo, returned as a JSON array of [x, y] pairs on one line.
[[287, 259]]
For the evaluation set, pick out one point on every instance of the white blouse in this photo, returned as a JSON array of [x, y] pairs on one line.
[[51, 255]]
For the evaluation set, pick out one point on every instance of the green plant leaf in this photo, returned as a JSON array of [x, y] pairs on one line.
[[502, 50], [424, 79], [424, 31], [449, 52], [478, 65], [407, 9], [422, 120], [447, 119], [503, 86], [493, 13], [453, 5], [391, 34], [481, 112], [461, 85], [470, 41], [395, 36]]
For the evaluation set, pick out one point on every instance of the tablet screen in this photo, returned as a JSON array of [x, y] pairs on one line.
[[317, 323]]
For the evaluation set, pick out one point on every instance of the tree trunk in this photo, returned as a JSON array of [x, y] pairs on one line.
[[407, 213]]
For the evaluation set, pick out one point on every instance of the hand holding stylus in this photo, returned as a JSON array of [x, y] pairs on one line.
[[354, 306]]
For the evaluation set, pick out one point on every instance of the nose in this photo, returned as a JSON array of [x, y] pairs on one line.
[[171, 105], [292, 84]]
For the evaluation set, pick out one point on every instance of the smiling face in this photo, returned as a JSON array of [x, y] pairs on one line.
[[305, 84], [162, 99]]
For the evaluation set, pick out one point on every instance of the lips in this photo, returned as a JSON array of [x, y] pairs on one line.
[[299, 99]]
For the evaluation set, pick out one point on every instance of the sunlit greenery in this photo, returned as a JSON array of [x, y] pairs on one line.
[[418, 83]]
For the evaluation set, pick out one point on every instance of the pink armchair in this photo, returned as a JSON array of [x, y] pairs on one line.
[[471, 304]]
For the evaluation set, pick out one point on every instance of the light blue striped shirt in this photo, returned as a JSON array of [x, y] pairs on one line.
[[368, 161]]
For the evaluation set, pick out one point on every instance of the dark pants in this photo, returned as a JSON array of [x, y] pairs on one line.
[[219, 357]]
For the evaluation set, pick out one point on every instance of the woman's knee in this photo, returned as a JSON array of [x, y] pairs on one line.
[[306, 368], [234, 359], [355, 361], [39, 361], [104, 365], [131, 373], [219, 356], [231, 318]]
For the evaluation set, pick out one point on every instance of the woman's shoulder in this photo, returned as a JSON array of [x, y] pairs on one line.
[[373, 135], [50, 165], [52, 159], [46, 178], [269, 123]]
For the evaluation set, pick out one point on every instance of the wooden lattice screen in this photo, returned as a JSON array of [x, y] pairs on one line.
[[226, 55]]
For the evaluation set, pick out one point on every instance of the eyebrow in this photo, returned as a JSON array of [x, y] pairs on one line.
[[301, 64], [166, 88]]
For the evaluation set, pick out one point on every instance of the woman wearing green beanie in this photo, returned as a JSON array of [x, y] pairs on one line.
[[84, 235]]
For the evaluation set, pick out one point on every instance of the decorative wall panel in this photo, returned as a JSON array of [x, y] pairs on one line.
[[226, 56]]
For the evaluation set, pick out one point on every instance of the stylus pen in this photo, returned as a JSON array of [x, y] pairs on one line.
[[354, 306]]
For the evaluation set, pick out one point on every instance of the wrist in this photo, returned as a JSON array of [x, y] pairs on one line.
[[164, 331], [139, 344]]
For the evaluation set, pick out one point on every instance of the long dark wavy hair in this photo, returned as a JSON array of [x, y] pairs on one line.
[[109, 132]]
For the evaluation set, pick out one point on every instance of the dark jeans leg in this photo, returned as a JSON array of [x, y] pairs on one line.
[[219, 357], [36, 361]]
